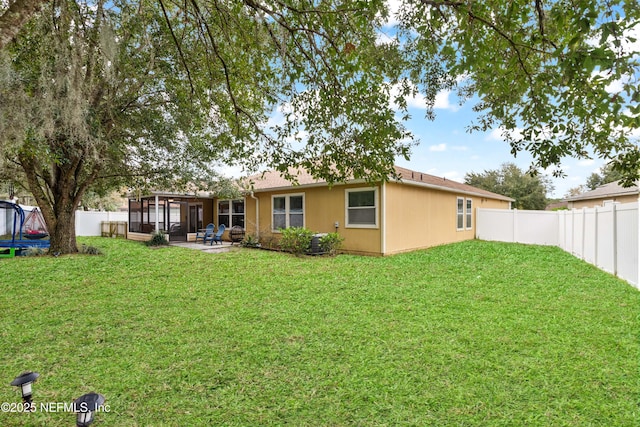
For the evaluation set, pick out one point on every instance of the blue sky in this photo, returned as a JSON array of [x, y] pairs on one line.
[[446, 148]]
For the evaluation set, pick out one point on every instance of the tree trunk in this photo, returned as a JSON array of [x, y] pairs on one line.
[[63, 232], [58, 200]]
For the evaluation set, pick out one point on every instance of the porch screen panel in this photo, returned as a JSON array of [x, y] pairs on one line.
[[135, 216]]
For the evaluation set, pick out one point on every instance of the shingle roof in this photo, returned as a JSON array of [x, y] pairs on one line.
[[271, 180], [611, 189]]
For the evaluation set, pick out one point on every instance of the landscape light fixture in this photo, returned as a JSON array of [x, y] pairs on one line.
[[24, 381], [86, 406]]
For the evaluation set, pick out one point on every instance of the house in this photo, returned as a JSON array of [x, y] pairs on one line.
[[418, 211], [414, 212], [603, 195]]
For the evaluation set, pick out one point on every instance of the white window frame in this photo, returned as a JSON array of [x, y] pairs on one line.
[[287, 205], [468, 217], [230, 214], [376, 206], [460, 213]]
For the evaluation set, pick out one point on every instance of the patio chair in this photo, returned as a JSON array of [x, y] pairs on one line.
[[206, 233], [218, 236]]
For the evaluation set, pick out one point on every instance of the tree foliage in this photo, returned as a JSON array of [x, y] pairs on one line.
[[151, 93], [529, 191], [559, 77], [606, 175]]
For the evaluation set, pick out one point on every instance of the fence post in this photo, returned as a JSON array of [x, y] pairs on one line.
[[573, 232], [595, 236], [584, 229], [515, 226], [614, 216]]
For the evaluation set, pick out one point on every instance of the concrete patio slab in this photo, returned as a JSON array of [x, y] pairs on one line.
[[224, 247]]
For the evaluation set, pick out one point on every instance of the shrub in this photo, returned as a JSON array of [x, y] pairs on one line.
[[34, 251], [250, 241], [330, 243], [89, 250], [268, 240], [157, 239], [296, 240]]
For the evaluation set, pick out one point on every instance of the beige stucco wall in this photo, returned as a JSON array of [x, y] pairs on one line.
[[323, 207], [579, 204], [412, 217], [418, 217]]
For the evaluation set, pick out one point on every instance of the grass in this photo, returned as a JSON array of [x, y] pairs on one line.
[[469, 334]]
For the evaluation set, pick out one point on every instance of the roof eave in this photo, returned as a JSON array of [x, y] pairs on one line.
[[454, 190]]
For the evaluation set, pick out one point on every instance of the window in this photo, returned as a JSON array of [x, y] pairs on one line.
[[288, 211], [231, 213], [464, 214], [362, 207]]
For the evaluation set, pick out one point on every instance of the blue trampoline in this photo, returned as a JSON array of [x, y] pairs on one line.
[[13, 240]]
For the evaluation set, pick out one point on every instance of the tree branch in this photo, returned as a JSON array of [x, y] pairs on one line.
[[178, 46], [15, 17]]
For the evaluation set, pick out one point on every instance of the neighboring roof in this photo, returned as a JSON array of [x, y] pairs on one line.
[[273, 180], [612, 189]]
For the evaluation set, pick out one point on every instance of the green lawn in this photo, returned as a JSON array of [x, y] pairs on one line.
[[470, 334]]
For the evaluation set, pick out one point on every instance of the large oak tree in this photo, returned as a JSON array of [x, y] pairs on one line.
[[99, 94], [155, 93]]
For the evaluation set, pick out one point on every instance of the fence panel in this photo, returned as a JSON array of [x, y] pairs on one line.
[[88, 223], [533, 227], [589, 235], [627, 242], [536, 227], [605, 250], [495, 224], [606, 237]]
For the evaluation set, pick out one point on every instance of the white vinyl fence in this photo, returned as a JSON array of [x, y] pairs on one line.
[[88, 222], [606, 237]]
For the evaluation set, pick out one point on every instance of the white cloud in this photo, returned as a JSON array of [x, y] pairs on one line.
[[231, 171], [454, 176], [497, 134], [418, 101], [394, 8], [442, 101], [439, 147], [384, 38], [586, 162]]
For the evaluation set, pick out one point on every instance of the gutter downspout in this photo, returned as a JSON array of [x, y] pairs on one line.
[[257, 214], [638, 254], [383, 219]]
